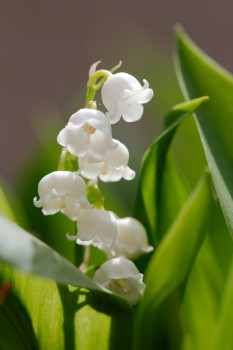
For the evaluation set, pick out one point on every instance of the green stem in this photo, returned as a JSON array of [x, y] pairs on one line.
[[61, 163], [67, 161], [93, 86], [83, 267], [90, 95], [94, 194], [116, 67]]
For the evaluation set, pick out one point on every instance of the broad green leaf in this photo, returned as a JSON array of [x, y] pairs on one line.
[[41, 314], [172, 195], [16, 331], [199, 75], [206, 285], [199, 311], [5, 208], [224, 339], [10, 206], [28, 254], [221, 241], [177, 251], [171, 263], [161, 193]]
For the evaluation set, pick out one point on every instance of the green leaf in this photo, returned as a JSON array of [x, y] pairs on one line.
[[10, 206], [171, 263], [200, 75], [39, 314], [161, 192], [225, 316], [16, 331], [5, 207], [200, 306], [204, 292], [28, 254]]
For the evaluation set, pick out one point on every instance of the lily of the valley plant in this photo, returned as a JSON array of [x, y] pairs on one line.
[[87, 276], [87, 139]]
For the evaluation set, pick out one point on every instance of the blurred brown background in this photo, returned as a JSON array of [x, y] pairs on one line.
[[46, 48]]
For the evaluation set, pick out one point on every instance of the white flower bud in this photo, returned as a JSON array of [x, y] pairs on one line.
[[123, 95], [96, 225], [131, 240], [113, 168], [88, 132], [63, 191], [121, 276]]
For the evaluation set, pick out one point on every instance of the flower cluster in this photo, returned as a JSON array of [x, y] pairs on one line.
[[87, 140]]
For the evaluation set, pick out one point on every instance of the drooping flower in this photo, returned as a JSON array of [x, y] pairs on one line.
[[131, 240], [62, 191], [121, 276], [96, 226], [113, 168], [88, 133], [123, 95]]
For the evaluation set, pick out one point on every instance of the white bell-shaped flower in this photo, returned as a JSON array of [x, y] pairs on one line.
[[88, 132], [62, 191], [131, 240], [96, 226], [113, 168], [123, 95], [121, 276]]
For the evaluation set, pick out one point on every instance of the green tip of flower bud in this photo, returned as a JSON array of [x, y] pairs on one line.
[[92, 69], [115, 68]]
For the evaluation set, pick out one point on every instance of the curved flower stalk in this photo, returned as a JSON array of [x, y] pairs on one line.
[[62, 191], [121, 276], [113, 168], [96, 226], [123, 95], [96, 80], [88, 133], [131, 240]]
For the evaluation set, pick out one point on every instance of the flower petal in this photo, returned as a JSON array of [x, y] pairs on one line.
[[123, 95], [75, 139], [112, 168], [131, 240], [97, 224], [88, 132]]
